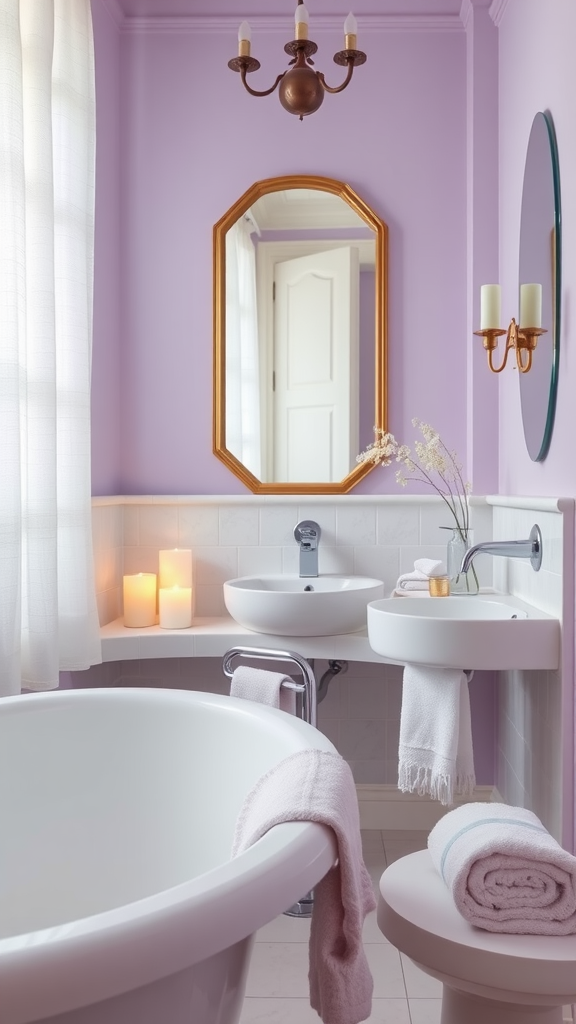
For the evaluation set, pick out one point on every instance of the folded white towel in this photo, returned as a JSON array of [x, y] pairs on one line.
[[317, 785], [418, 578], [263, 687], [435, 752], [506, 873]]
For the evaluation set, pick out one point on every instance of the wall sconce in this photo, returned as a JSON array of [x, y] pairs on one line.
[[301, 89], [522, 339]]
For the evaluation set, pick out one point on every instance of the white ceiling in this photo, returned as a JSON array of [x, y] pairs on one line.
[[247, 8]]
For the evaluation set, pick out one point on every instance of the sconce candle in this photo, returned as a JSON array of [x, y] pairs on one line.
[[530, 305], [175, 567], [140, 599], [175, 607], [489, 307]]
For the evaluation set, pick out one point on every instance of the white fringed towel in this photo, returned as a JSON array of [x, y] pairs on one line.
[[435, 755], [417, 580], [505, 871], [317, 785], [263, 687]]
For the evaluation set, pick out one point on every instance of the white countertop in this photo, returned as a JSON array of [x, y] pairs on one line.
[[212, 637]]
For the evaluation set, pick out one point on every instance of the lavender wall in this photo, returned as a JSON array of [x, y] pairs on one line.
[[106, 475], [544, 35], [191, 142]]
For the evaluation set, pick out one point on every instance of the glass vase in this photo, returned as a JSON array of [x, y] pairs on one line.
[[460, 582]]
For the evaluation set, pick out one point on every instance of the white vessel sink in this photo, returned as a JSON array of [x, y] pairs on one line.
[[482, 632], [291, 605]]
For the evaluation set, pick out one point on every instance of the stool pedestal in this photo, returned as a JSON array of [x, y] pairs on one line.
[[488, 978], [463, 1008]]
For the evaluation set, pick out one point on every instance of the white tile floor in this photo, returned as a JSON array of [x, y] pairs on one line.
[[277, 990]]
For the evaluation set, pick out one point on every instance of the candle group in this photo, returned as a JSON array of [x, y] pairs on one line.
[[174, 592], [530, 306]]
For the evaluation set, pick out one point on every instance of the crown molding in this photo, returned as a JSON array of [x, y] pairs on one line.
[[497, 9], [228, 24]]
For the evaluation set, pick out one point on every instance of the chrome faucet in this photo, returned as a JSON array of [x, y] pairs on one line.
[[531, 548], [307, 533]]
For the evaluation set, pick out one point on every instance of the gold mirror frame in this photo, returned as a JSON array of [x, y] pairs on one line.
[[261, 188]]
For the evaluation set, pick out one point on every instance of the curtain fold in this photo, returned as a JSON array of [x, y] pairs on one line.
[[48, 614]]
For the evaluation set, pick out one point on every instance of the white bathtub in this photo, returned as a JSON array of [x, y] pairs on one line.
[[118, 901]]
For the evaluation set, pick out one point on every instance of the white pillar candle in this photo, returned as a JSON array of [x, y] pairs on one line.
[[140, 599], [490, 307], [530, 305], [175, 567], [175, 606]]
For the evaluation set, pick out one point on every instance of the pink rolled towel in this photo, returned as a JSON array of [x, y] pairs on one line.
[[505, 871], [317, 785]]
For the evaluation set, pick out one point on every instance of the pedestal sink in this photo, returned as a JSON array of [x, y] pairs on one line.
[[290, 605], [487, 631]]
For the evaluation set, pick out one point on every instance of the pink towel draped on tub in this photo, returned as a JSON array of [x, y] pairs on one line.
[[317, 785], [505, 871]]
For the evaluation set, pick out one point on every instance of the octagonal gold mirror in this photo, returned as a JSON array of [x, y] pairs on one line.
[[300, 340]]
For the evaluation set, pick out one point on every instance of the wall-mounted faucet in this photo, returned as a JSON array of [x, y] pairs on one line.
[[307, 533], [531, 548]]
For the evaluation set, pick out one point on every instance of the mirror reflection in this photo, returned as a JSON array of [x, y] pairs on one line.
[[299, 335], [540, 261]]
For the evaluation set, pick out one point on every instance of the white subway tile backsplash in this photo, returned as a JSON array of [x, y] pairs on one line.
[[433, 520], [335, 559], [197, 526], [379, 562], [140, 559], [277, 526], [398, 524], [356, 525], [238, 525], [215, 565], [259, 560], [131, 525], [158, 525]]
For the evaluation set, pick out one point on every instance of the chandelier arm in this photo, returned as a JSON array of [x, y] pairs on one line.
[[338, 88], [255, 92]]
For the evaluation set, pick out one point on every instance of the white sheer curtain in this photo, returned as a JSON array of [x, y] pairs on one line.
[[242, 360], [48, 616]]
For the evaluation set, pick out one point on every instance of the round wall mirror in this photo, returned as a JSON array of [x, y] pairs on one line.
[[540, 262], [299, 335]]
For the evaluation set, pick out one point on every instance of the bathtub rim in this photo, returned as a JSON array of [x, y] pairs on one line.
[[84, 961]]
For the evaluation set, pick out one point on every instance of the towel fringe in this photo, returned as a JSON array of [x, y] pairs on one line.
[[415, 778]]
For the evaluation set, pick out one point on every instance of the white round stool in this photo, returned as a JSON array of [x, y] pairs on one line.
[[488, 978]]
